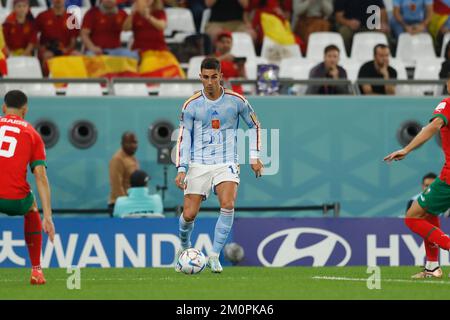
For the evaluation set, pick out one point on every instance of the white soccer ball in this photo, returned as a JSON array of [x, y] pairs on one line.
[[191, 261]]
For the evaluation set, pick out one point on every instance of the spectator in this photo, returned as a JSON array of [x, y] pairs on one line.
[[197, 7], [445, 67], [138, 201], [101, 30], [281, 10], [426, 181], [351, 17], [412, 16], [147, 21], [19, 30], [121, 166], [232, 67], [378, 68], [228, 15], [311, 16], [55, 38], [329, 68]]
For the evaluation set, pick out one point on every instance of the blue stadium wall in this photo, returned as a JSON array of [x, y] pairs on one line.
[[331, 149]]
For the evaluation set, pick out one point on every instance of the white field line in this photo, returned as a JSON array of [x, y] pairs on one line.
[[124, 279], [382, 280]]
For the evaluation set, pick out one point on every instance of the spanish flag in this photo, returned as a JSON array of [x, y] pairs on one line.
[[160, 64]]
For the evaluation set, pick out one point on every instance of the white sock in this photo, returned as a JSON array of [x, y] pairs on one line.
[[431, 265]]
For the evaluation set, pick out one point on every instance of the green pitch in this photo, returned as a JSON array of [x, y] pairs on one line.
[[233, 283]]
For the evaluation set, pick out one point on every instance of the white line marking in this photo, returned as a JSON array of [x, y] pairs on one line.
[[382, 280]]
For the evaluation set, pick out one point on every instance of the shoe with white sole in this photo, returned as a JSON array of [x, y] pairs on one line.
[[214, 264], [435, 273]]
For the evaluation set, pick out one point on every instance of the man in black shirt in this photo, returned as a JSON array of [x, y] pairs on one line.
[[351, 17], [378, 68], [329, 68], [228, 15]]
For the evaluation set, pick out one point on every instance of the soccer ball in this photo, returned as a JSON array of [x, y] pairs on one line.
[[233, 253], [191, 261]]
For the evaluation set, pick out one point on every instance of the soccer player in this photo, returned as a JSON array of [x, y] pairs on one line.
[[423, 216], [207, 143], [20, 146]]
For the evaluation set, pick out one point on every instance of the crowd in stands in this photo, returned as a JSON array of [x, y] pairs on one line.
[[49, 35]]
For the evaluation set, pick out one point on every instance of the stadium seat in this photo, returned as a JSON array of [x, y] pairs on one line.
[[180, 21], [205, 18], [194, 67], [319, 40], [184, 90], [411, 48], [130, 89], [24, 67], [363, 44], [444, 44], [297, 69], [243, 45], [401, 90], [427, 69], [32, 89], [84, 90], [286, 51], [352, 67], [3, 14]]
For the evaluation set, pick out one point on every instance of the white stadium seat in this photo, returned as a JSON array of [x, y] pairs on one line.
[[32, 89], [400, 90], [205, 18], [180, 20], [411, 48], [251, 66], [84, 90], [194, 67], [24, 67], [275, 52], [444, 44], [130, 89], [363, 44], [352, 67], [297, 69], [319, 40], [427, 69], [242, 45], [184, 90]]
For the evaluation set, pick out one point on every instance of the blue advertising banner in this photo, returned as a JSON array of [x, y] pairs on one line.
[[278, 242], [104, 242]]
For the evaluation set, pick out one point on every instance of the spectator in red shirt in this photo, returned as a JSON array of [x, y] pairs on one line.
[[19, 30], [147, 21], [232, 67], [55, 38], [101, 30]]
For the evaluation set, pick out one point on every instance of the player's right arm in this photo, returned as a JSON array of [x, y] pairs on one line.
[[40, 173], [184, 145], [424, 135]]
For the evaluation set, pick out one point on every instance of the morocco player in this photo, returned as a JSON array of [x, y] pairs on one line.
[[20, 146], [423, 216], [207, 144]]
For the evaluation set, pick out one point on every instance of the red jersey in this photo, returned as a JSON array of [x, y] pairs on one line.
[[105, 28], [443, 111], [146, 36], [54, 29], [19, 35], [20, 146]]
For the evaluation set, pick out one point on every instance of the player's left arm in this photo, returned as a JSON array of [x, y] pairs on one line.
[[248, 114]]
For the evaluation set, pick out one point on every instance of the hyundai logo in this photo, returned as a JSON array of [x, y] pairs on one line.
[[288, 252]]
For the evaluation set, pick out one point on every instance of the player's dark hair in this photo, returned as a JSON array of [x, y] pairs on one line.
[[331, 47], [380, 45], [210, 64], [15, 99], [126, 134], [429, 175]]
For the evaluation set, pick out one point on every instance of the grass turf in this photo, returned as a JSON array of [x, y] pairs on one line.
[[235, 283]]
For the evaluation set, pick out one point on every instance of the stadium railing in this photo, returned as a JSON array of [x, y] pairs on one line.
[[326, 208]]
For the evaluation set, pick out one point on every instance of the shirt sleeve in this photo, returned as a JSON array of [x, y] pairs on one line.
[[248, 114], [38, 156], [184, 139], [442, 111], [160, 14]]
